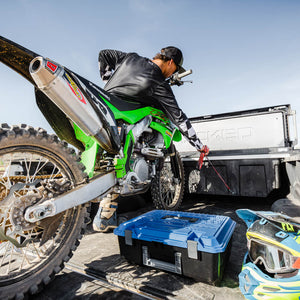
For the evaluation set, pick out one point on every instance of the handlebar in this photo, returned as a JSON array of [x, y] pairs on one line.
[[186, 73], [176, 78]]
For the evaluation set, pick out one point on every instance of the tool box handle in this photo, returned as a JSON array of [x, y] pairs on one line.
[[151, 262], [190, 219]]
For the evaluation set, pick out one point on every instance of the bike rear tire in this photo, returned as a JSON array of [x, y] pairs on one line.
[[23, 143]]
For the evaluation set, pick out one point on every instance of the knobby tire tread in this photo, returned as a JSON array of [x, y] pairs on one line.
[[156, 188], [24, 135]]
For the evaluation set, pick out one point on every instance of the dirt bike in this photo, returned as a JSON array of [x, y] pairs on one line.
[[46, 186]]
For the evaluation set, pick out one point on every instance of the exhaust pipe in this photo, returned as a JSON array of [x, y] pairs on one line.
[[58, 85]]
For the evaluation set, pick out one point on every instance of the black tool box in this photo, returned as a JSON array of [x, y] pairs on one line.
[[190, 244]]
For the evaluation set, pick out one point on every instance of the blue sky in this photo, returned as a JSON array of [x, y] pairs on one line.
[[244, 54]]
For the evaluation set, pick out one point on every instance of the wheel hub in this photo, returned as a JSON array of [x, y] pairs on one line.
[[18, 209]]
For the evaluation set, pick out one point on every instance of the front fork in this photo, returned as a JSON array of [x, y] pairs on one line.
[[174, 162]]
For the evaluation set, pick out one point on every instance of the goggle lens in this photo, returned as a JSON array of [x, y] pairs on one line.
[[274, 259]]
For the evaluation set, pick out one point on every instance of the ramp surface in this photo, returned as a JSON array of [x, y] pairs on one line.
[[97, 262]]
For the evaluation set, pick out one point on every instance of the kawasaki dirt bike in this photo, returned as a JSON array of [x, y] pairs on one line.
[[46, 186]]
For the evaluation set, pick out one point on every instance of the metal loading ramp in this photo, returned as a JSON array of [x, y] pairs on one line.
[[97, 271]]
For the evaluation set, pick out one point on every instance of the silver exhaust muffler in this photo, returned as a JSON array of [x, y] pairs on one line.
[[58, 85]]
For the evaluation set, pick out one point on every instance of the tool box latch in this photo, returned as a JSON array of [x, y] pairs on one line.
[[128, 237], [192, 249]]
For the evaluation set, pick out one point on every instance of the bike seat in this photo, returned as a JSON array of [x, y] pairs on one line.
[[124, 105]]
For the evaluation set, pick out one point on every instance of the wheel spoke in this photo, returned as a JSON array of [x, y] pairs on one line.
[[168, 186], [34, 167], [22, 168], [167, 191], [38, 168]]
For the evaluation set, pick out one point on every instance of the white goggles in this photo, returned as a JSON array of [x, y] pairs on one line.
[[275, 259]]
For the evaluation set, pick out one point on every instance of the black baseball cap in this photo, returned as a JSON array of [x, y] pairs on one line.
[[175, 54]]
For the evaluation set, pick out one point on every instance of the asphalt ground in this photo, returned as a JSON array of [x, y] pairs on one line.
[[98, 271]]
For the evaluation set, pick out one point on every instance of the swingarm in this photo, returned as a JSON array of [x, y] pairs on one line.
[[98, 187]]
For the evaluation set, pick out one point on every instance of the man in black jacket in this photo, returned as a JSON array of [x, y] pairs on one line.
[[139, 79]]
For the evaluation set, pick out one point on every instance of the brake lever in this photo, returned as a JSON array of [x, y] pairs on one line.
[[175, 82], [178, 82]]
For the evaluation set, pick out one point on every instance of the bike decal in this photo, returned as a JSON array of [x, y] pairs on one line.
[[75, 89], [297, 237], [287, 227], [169, 133], [51, 67], [159, 114]]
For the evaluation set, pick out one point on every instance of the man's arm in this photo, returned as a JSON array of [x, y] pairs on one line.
[[189, 132], [109, 61], [170, 106]]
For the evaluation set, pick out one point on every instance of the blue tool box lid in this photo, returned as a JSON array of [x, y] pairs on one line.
[[174, 228]]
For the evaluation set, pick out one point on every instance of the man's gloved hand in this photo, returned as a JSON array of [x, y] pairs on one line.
[[204, 151], [106, 76], [105, 73]]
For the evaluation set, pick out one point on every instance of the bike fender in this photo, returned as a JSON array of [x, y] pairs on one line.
[[177, 136], [16, 57]]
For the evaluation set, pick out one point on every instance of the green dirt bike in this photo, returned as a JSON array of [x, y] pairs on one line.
[[46, 186]]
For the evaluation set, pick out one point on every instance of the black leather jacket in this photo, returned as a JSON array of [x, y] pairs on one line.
[[138, 79]]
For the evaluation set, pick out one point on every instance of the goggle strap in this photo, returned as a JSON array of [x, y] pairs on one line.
[[278, 224]]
